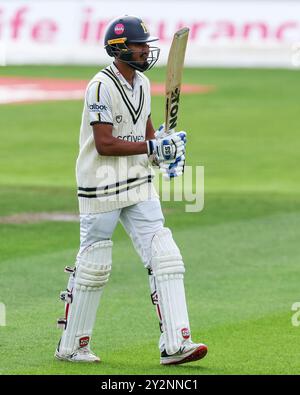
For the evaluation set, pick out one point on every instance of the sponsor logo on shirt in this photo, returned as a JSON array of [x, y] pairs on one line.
[[132, 138], [97, 107]]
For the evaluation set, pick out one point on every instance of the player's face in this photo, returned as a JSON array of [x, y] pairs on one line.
[[140, 52]]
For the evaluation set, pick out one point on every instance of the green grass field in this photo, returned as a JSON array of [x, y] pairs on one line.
[[241, 252]]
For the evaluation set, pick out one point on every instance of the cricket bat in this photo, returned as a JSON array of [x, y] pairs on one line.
[[174, 77]]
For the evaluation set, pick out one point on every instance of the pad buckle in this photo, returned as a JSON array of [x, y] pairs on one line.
[[61, 323], [66, 296], [154, 298], [69, 269]]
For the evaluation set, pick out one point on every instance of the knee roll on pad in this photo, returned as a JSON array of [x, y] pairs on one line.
[[166, 257], [94, 265], [93, 268], [168, 270]]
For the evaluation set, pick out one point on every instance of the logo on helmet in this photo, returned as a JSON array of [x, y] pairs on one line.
[[119, 28], [185, 333], [144, 27]]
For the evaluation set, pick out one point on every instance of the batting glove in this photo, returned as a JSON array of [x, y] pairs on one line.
[[161, 132], [174, 169], [169, 148]]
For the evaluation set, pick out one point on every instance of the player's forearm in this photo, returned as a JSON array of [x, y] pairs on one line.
[[150, 132], [118, 147]]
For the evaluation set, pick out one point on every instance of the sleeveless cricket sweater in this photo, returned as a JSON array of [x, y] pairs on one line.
[[107, 183]]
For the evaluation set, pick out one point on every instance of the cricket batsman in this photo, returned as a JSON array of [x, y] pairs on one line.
[[118, 146]]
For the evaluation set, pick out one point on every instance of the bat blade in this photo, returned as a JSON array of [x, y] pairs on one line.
[[174, 77]]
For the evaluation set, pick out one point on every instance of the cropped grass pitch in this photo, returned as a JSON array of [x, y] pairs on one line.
[[241, 252]]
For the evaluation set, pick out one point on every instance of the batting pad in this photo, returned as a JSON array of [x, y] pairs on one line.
[[168, 270], [92, 272]]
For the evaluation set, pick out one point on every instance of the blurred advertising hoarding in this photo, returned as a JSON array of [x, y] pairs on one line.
[[223, 33]]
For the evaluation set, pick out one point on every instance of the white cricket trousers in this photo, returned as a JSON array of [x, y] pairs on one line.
[[141, 221]]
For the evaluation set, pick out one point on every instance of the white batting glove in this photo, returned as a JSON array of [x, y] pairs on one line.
[[174, 169], [169, 148], [161, 132]]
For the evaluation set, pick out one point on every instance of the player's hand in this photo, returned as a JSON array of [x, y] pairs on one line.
[[169, 148], [174, 169]]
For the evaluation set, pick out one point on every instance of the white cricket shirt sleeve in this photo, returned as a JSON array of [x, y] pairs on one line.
[[99, 103]]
